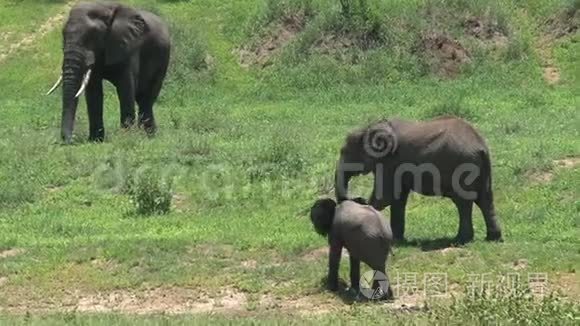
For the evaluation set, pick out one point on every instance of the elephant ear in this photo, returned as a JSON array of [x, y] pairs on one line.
[[126, 32], [380, 140], [322, 215]]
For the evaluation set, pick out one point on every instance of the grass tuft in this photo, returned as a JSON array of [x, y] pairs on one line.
[[281, 158], [150, 192]]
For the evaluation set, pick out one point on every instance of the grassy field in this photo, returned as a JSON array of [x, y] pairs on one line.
[[258, 100]]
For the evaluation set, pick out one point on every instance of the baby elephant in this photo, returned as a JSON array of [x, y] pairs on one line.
[[363, 231]]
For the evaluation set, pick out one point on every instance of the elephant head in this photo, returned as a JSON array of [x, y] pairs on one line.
[[95, 35], [363, 149], [322, 215]]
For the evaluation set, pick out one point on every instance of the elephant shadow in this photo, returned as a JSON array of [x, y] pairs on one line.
[[346, 294], [343, 292], [430, 244]]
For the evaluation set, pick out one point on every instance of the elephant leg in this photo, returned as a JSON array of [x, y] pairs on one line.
[[354, 273], [94, 99], [146, 100], [126, 93], [146, 117], [398, 207], [382, 283], [485, 204], [465, 233], [334, 255], [388, 292]]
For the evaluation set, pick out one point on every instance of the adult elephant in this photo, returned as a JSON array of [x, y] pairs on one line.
[[443, 157], [128, 47]]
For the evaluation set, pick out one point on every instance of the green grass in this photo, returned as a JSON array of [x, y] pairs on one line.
[[16, 22], [250, 149]]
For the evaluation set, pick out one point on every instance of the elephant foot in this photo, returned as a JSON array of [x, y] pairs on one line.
[[389, 296], [332, 286], [128, 123], [494, 236], [461, 239], [149, 127], [151, 131], [399, 239], [383, 294], [97, 139]]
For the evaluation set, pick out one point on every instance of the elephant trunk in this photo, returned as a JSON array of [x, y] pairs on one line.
[[341, 179], [72, 75]]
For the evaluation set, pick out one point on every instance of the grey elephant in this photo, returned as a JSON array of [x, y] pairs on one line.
[[444, 157], [363, 231], [126, 46]]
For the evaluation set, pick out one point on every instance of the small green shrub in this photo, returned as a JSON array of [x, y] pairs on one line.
[[150, 192]]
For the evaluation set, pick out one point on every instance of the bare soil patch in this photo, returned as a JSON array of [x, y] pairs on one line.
[[451, 250], [180, 202], [540, 176], [281, 34], [176, 300], [338, 43], [4, 36], [487, 30], [544, 49], [11, 253], [520, 264], [568, 283], [231, 301], [482, 28], [305, 306], [250, 264], [444, 55], [315, 254], [552, 75], [568, 163], [161, 300], [547, 176], [564, 23], [320, 254]]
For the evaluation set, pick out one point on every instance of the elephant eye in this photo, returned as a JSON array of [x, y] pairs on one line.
[[93, 15]]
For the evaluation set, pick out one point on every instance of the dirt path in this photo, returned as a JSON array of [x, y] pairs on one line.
[[196, 301], [30, 38], [544, 50]]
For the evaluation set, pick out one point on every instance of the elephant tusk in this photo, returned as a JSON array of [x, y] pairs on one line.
[[84, 84], [58, 82]]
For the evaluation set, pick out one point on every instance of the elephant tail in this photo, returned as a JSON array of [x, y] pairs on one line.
[[486, 183]]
